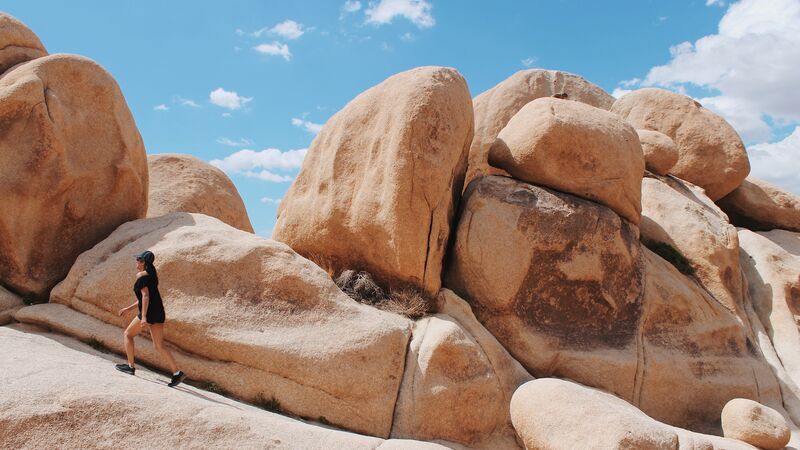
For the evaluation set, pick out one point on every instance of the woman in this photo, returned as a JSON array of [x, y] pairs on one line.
[[149, 301]]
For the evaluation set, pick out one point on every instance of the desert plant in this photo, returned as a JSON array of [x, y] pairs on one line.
[[272, 404], [96, 344], [210, 386], [671, 255], [407, 302], [361, 287]]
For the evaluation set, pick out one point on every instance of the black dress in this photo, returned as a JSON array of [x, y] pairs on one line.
[[155, 308]]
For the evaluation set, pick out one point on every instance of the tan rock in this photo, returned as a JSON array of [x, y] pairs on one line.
[[549, 413], [574, 148], [254, 303], [183, 183], [18, 43], [755, 424], [56, 392], [760, 206], [771, 262], [378, 186], [458, 381], [563, 284], [70, 152], [679, 214], [495, 107], [660, 152], [9, 303], [712, 155]]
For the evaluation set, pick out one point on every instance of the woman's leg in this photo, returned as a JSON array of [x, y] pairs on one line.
[[157, 333], [133, 329]]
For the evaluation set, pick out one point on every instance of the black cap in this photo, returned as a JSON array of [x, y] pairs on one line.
[[146, 256]]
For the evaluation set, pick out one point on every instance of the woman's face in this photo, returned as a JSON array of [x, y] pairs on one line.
[[139, 265]]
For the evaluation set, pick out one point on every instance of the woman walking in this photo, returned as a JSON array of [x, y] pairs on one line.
[[148, 300]]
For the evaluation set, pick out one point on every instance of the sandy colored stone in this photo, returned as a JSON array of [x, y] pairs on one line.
[[232, 296], [496, 106], [574, 148], [9, 303], [760, 206], [378, 187], [660, 152], [457, 386], [711, 154], [771, 262], [18, 43], [755, 424], [556, 414], [564, 285], [70, 153], [184, 183], [679, 214], [56, 392]]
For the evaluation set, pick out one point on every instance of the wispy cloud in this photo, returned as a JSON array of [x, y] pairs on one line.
[[228, 99], [270, 200], [161, 107], [351, 6], [288, 29], [311, 127], [416, 11], [407, 37], [242, 142], [527, 62], [264, 164], [186, 102], [715, 2], [274, 49]]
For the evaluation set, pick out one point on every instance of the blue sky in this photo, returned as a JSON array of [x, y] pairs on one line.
[[213, 79]]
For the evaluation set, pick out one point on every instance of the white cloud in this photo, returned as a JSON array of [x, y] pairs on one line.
[[311, 127], [242, 142], [161, 107], [226, 114], [351, 6], [186, 102], [288, 29], [275, 48], [527, 62], [228, 99], [407, 37], [262, 164], [270, 200], [715, 2], [417, 11], [749, 66], [619, 92], [778, 162]]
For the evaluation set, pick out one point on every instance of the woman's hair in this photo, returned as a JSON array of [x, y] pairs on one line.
[[147, 257]]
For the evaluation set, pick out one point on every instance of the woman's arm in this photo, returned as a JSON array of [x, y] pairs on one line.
[[127, 308], [145, 303]]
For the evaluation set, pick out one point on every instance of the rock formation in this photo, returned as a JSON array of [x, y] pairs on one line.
[[660, 152], [18, 43], [760, 206], [379, 185], [755, 424], [183, 183]]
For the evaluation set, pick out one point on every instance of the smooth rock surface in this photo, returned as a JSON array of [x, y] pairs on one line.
[[760, 206], [712, 155], [660, 152], [574, 148], [184, 183], [679, 214], [755, 424], [379, 185], [496, 106], [232, 296], [56, 392], [70, 153], [18, 43], [9, 303]]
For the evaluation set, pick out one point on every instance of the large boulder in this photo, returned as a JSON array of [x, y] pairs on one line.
[[72, 168], [712, 155], [495, 107], [458, 381], [9, 303], [183, 183], [557, 414], [660, 153], [56, 392], [565, 286], [18, 43], [771, 263], [574, 148], [278, 321], [760, 206], [755, 424], [679, 215], [379, 184]]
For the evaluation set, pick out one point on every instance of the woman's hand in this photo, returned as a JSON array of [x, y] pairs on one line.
[[144, 322], [124, 310]]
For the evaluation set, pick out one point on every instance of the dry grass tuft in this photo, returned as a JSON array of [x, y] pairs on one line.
[[407, 302], [361, 287]]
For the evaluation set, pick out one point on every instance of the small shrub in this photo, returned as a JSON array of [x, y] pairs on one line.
[[324, 421], [96, 344], [671, 255], [361, 287], [210, 386], [407, 302], [272, 404]]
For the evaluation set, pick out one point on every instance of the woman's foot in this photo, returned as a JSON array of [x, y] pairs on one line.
[[125, 368], [177, 378]]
